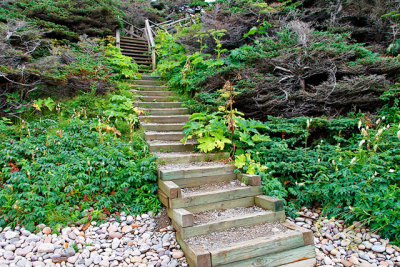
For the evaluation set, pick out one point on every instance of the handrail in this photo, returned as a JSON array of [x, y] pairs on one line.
[[151, 43], [148, 33], [118, 38]]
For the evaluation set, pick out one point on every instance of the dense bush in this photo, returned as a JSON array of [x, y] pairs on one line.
[[56, 168]]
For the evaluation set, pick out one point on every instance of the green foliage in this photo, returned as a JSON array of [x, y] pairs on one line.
[[55, 168], [122, 66], [66, 19]]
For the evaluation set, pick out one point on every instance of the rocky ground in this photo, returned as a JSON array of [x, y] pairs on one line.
[[341, 245], [148, 240], [130, 241]]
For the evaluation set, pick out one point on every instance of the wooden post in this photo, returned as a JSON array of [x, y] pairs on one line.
[[153, 58], [118, 38], [131, 30]]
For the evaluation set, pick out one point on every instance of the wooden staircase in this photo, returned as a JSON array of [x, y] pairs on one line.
[[221, 218], [137, 49]]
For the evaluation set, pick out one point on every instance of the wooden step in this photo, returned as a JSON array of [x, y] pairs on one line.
[[150, 77], [136, 50], [125, 44], [133, 39], [153, 93], [175, 158], [144, 55], [165, 111], [136, 53], [265, 216], [125, 41], [169, 146], [162, 127], [165, 119], [208, 220], [165, 136], [278, 244], [196, 199], [171, 172], [150, 87], [159, 104], [146, 98], [149, 82]]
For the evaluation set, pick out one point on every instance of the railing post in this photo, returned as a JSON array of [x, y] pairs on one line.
[[118, 38]]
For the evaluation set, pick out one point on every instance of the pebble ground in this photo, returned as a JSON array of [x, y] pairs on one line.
[[139, 241]]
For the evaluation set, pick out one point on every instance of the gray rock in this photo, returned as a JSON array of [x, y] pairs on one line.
[[97, 259], [10, 235], [378, 248], [68, 252], [23, 251], [8, 255], [10, 247], [328, 247], [22, 263], [45, 248], [144, 248]]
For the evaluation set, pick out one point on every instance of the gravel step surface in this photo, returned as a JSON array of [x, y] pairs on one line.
[[219, 215], [209, 188], [235, 235], [191, 165]]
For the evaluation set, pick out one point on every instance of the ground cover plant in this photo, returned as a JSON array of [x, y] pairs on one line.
[[86, 155]]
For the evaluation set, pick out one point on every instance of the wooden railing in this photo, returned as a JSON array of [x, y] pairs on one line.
[[150, 42], [149, 32]]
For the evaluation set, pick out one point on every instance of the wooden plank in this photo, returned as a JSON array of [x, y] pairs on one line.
[[196, 256], [269, 203], [169, 188], [228, 204], [215, 196], [250, 179], [303, 263], [244, 220], [163, 198], [307, 233], [182, 217], [257, 247], [276, 259], [168, 175], [192, 182]]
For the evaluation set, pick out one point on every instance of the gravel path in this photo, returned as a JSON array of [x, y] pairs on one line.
[[218, 215], [340, 245], [133, 241]]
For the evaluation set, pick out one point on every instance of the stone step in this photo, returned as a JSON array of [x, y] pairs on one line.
[[165, 119], [149, 87], [185, 157], [153, 93], [149, 82], [162, 127], [158, 104], [165, 136], [171, 172], [146, 98], [165, 111], [266, 244], [169, 146]]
